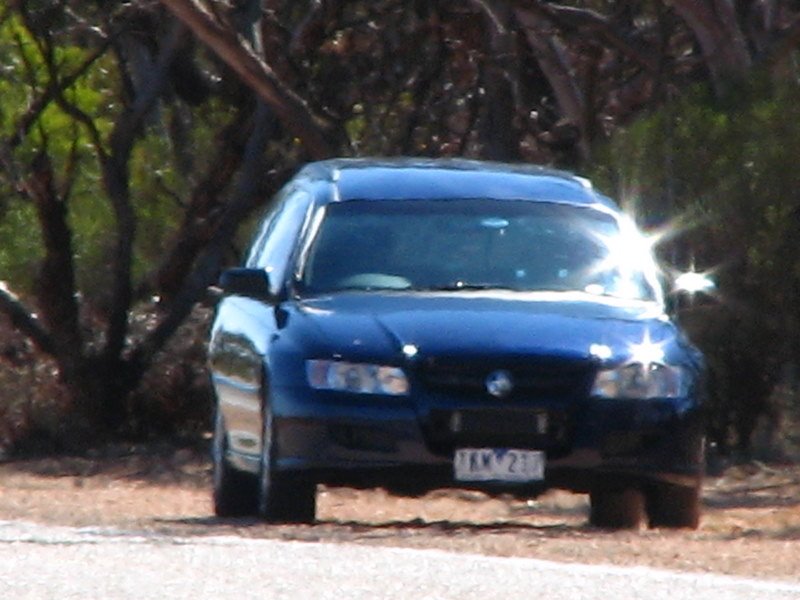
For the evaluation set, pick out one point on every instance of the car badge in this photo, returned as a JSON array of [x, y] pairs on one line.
[[499, 384]]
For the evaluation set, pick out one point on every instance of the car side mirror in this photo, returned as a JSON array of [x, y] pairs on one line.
[[241, 281]]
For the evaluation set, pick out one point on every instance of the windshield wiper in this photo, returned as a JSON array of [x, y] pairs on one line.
[[458, 286]]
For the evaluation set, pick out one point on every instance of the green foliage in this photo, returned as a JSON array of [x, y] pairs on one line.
[[730, 173], [725, 177], [20, 248], [57, 132], [157, 180], [64, 94]]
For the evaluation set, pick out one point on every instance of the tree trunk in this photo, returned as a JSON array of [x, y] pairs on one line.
[[716, 28], [55, 284], [499, 133], [554, 62], [209, 256]]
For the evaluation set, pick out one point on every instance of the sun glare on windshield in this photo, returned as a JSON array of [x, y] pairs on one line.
[[462, 245]]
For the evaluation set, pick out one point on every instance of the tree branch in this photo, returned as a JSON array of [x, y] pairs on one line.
[[115, 167], [53, 89], [554, 63], [499, 136], [720, 37], [311, 30], [787, 41], [209, 262], [199, 217], [56, 280], [203, 213], [292, 111], [251, 174], [25, 321], [582, 21]]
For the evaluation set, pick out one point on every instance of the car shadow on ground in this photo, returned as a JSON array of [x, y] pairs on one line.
[[338, 530], [751, 501], [355, 530]]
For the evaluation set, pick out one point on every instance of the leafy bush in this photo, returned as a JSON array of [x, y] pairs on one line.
[[722, 184], [34, 406]]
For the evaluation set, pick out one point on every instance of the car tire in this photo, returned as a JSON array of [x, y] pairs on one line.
[[673, 506], [616, 507], [281, 500], [234, 492]]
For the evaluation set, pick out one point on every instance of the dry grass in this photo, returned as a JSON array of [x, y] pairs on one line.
[[751, 524]]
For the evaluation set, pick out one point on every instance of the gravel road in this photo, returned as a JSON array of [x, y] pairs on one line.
[[38, 561]]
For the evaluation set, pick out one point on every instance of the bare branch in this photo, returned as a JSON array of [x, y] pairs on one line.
[[71, 169], [554, 63], [54, 88], [24, 320], [84, 27], [56, 281], [292, 111], [9, 166], [499, 137], [309, 32], [116, 179], [583, 21], [81, 117], [198, 223], [210, 260], [429, 72], [492, 12], [788, 41]]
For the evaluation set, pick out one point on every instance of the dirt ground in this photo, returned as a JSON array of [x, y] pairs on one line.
[[751, 523]]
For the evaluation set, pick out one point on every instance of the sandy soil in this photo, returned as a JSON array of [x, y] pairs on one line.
[[751, 523]]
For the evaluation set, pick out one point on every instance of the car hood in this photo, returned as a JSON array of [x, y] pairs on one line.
[[375, 325]]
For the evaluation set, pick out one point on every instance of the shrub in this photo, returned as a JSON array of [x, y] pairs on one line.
[[723, 178]]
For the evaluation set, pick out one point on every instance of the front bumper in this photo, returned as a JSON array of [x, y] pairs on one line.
[[388, 442]]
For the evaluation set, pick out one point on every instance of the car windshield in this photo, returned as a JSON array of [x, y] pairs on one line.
[[474, 244]]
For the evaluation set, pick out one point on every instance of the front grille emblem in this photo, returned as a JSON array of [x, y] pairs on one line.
[[499, 384]]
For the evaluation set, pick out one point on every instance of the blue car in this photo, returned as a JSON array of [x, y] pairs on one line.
[[419, 324]]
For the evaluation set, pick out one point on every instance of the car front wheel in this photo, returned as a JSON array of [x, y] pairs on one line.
[[279, 499], [234, 492]]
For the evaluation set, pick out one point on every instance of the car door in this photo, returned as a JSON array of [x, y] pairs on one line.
[[244, 326]]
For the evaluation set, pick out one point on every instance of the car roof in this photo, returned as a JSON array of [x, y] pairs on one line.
[[432, 178]]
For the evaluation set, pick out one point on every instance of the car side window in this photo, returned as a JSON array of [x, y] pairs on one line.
[[278, 237]]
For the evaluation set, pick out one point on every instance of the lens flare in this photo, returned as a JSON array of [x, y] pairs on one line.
[[647, 352], [627, 265], [687, 283], [693, 282]]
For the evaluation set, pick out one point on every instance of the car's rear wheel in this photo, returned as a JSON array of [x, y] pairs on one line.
[[234, 492], [673, 506], [281, 500], [616, 507]]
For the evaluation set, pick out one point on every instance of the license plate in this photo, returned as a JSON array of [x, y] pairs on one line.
[[498, 464]]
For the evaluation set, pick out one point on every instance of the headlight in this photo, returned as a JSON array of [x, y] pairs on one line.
[[357, 378], [641, 381]]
